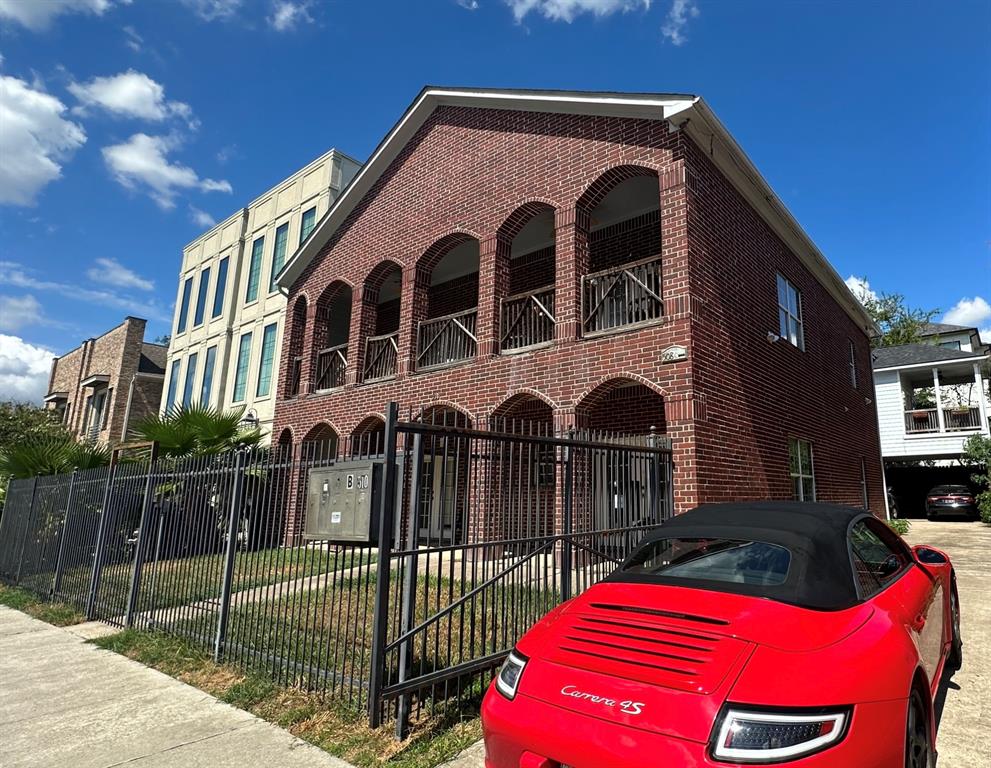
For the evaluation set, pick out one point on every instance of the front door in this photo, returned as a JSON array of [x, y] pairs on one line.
[[438, 500]]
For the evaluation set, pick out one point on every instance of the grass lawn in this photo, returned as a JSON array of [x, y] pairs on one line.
[[341, 731], [59, 614]]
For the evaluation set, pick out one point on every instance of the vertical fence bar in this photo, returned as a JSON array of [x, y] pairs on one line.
[[656, 512], [139, 545], [409, 586], [567, 521], [380, 618], [60, 558], [101, 542], [223, 618], [27, 529]]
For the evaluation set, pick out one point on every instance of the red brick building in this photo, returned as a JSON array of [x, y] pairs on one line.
[[595, 260]]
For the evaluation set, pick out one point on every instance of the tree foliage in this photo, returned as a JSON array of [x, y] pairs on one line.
[[196, 430], [19, 421], [50, 455], [977, 449], [899, 323]]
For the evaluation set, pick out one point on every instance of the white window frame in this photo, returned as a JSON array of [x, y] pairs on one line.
[[790, 325], [803, 473]]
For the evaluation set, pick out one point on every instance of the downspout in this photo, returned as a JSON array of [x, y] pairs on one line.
[[127, 408]]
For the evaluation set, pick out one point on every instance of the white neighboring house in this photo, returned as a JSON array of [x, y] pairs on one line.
[[229, 313], [932, 396]]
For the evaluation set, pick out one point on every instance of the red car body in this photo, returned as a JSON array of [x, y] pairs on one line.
[[640, 673]]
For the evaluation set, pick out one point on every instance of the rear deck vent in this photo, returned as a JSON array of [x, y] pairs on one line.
[[658, 612]]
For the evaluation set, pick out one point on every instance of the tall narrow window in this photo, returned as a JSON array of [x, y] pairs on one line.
[[241, 373], [173, 383], [201, 297], [790, 313], [865, 502], [187, 388], [255, 269], [308, 223], [187, 289], [853, 365], [206, 390], [279, 257], [267, 359], [221, 289], [801, 470]]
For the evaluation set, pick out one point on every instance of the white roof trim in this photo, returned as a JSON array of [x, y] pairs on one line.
[[934, 363], [727, 155]]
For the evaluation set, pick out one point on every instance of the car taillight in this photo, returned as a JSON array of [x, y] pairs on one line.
[[508, 679], [758, 736]]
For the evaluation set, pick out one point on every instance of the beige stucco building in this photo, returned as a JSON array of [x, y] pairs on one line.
[[229, 317]]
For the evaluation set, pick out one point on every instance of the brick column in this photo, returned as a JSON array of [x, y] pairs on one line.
[[572, 259], [412, 309], [309, 350], [681, 411], [492, 275], [357, 334], [674, 239]]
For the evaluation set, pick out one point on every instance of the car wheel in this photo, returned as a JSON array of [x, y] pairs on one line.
[[918, 753], [956, 647]]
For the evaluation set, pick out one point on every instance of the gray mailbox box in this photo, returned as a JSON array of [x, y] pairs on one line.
[[341, 502]]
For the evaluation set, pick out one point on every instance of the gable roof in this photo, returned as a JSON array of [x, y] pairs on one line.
[[916, 354], [687, 111], [934, 329]]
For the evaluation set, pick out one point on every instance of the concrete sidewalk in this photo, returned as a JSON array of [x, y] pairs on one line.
[[66, 703]]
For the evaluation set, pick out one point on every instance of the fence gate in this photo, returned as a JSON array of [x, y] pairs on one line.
[[494, 528]]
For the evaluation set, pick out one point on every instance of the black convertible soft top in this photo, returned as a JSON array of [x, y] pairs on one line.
[[821, 575]]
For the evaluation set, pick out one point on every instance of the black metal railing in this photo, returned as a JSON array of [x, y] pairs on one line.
[[527, 319], [623, 296], [446, 340], [332, 364], [381, 356]]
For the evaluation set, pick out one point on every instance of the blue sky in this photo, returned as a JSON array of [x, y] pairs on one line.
[[127, 126]]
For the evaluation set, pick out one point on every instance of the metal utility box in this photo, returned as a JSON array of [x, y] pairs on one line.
[[342, 502]]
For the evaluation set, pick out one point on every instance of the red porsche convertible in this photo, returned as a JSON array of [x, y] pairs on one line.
[[759, 633]]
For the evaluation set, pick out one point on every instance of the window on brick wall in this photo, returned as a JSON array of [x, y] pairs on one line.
[[865, 502], [790, 313], [255, 269], [853, 365], [187, 289], [241, 372], [801, 470]]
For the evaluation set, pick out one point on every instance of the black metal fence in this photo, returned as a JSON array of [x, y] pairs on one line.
[[480, 533]]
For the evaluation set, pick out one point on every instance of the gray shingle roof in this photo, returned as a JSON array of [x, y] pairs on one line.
[[932, 329], [912, 354]]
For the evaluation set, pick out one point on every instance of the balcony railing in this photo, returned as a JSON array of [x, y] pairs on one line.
[[381, 353], [332, 366], [624, 296], [446, 340], [923, 420], [528, 319], [295, 375]]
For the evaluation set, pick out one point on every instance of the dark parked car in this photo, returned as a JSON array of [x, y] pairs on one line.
[[950, 499]]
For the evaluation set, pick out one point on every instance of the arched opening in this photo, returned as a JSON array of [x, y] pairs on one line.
[[621, 406], [527, 243], [446, 482], [319, 445], [332, 327], [297, 334], [447, 284], [621, 215], [524, 414], [382, 298], [368, 438], [285, 438]]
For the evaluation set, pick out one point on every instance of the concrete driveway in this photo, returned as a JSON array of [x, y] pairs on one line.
[[964, 738]]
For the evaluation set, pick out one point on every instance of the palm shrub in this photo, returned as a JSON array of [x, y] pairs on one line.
[[196, 430], [50, 455]]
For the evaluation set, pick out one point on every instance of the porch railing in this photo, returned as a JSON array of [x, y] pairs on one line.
[[445, 340], [528, 319], [295, 375], [381, 353], [962, 418], [332, 366], [623, 296], [921, 420]]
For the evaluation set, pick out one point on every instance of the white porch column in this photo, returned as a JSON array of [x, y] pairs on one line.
[[982, 403], [939, 401]]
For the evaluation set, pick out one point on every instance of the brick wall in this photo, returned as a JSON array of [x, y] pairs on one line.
[[468, 173]]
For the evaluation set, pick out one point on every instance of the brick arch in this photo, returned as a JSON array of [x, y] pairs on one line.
[[438, 407], [322, 430], [376, 276], [368, 436], [609, 179], [520, 394], [441, 247], [627, 403], [515, 221], [286, 439], [369, 422], [295, 335], [524, 412]]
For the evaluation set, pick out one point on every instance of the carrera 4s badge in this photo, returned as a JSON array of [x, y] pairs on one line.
[[626, 707]]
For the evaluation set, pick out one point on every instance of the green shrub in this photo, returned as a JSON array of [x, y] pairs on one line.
[[978, 450], [899, 526]]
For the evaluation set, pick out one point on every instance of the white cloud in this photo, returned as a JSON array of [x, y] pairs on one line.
[[18, 311], [24, 369], [34, 141], [677, 19], [214, 10], [201, 218], [861, 288], [289, 14], [142, 162], [12, 273], [566, 10], [133, 40], [112, 272], [37, 15], [468, 5], [129, 94], [970, 312]]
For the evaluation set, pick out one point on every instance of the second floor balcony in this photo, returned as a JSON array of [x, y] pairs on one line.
[[446, 340], [627, 295], [332, 366], [927, 421], [527, 320]]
